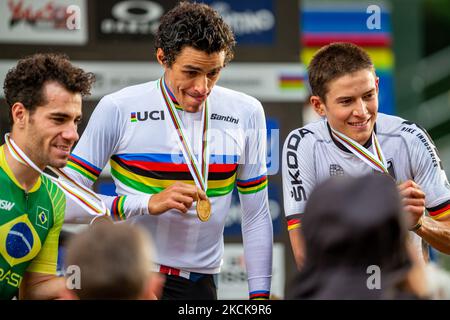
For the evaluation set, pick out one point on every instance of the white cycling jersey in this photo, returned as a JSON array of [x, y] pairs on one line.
[[131, 129], [311, 155]]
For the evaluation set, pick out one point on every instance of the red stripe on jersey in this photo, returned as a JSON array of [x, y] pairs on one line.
[[173, 167], [435, 213]]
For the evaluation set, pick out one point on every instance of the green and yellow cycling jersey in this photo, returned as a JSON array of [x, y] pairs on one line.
[[30, 223]]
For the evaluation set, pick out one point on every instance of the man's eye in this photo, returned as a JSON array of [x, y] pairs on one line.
[[191, 73], [369, 96], [58, 120], [213, 74], [346, 102]]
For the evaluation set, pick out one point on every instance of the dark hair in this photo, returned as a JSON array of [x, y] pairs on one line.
[[196, 25], [24, 83], [333, 61]]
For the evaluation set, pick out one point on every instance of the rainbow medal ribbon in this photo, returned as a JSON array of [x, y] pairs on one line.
[[377, 161], [197, 167], [84, 197]]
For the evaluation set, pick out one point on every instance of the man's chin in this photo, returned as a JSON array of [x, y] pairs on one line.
[[60, 163], [192, 107]]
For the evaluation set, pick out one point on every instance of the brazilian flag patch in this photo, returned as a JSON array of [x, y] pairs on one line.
[[42, 216]]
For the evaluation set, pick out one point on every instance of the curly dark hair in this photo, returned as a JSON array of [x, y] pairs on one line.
[[333, 61], [196, 25], [24, 83]]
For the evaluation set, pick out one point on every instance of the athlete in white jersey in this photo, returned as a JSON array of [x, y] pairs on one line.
[[353, 139], [151, 134]]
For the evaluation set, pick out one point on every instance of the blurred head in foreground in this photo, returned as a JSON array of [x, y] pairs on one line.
[[114, 261], [356, 243]]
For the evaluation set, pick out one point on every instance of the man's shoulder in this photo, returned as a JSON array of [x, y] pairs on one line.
[[135, 92], [311, 132], [231, 98], [388, 122], [397, 126], [303, 140], [55, 193]]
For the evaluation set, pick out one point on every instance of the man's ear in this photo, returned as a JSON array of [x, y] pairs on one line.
[[160, 57], [19, 114], [318, 105], [377, 83]]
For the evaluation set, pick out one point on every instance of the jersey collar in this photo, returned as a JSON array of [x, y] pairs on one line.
[[172, 97], [4, 165], [342, 147]]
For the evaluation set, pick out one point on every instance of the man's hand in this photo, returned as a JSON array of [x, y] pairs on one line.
[[413, 200], [178, 196]]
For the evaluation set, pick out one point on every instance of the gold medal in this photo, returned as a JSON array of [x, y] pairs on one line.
[[203, 209]]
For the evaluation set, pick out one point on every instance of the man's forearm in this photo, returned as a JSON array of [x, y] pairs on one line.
[[298, 247], [436, 233], [50, 288]]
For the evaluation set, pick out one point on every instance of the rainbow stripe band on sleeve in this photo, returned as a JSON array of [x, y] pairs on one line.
[[294, 222], [83, 167], [252, 185], [260, 295], [117, 211], [440, 211]]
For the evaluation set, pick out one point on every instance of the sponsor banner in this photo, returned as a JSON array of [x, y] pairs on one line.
[[278, 82], [44, 22], [253, 22], [136, 20], [233, 276]]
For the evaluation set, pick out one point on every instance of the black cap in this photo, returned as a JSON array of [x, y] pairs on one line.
[[349, 225]]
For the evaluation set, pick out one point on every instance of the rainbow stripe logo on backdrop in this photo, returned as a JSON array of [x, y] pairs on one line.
[[133, 117], [290, 82]]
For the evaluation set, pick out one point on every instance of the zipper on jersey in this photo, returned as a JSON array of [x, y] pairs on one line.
[[26, 202]]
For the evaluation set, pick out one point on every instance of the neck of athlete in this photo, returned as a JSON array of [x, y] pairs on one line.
[[25, 175]]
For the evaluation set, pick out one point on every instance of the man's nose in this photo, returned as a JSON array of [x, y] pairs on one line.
[[71, 132], [360, 108], [201, 84]]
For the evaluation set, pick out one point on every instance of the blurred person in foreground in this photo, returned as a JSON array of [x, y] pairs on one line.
[[44, 93], [177, 147], [356, 243], [114, 262], [354, 139]]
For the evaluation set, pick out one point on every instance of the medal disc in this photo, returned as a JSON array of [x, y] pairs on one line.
[[203, 209]]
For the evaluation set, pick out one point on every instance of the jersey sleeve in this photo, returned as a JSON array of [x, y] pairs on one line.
[[47, 259], [256, 220], [98, 143], [429, 174], [298, 174]]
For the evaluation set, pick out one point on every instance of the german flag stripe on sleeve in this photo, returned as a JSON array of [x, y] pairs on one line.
[[117, 211], [83, 167], [252, 185], [440, 211], [260, 295], [293, 221]]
